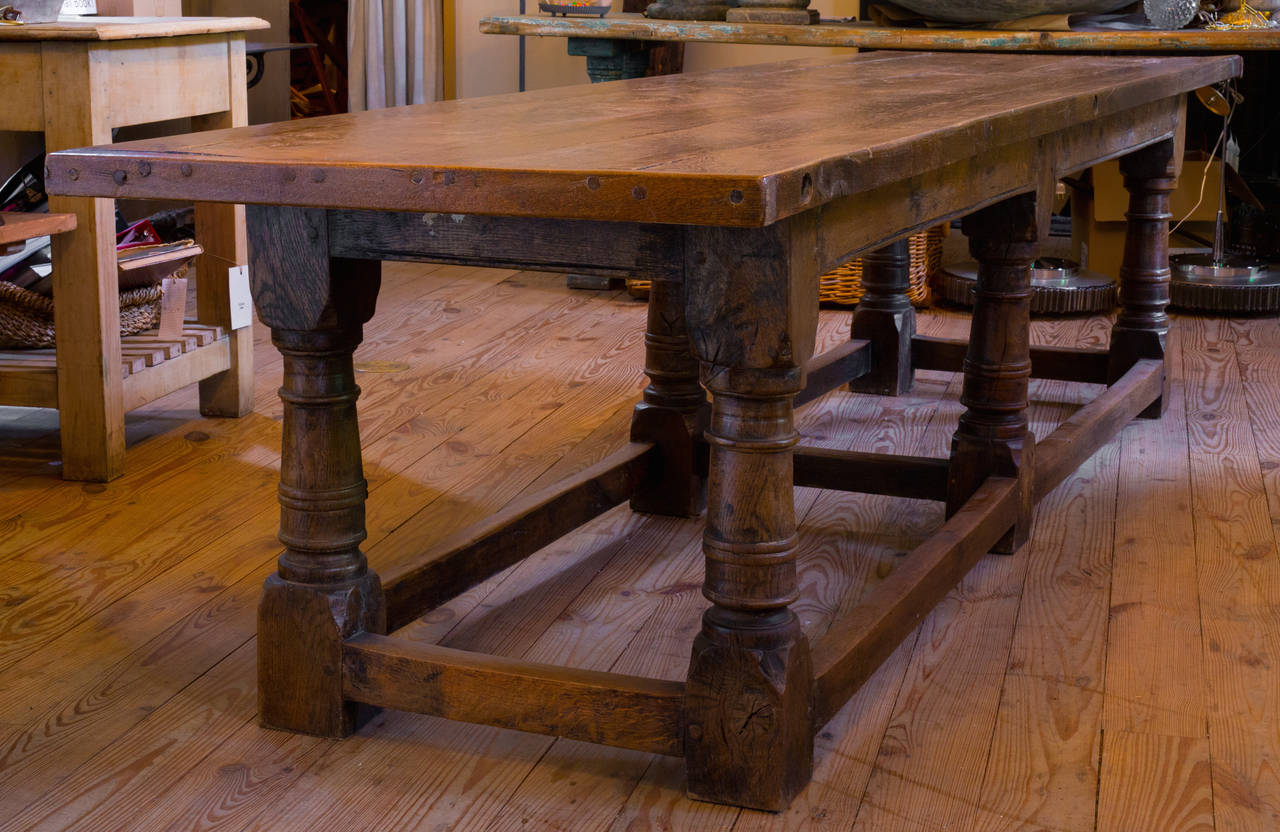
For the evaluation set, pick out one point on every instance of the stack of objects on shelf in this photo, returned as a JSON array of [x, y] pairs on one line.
[[152, 271]]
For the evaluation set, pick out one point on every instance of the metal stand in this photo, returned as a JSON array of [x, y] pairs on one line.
[[1059, 287]]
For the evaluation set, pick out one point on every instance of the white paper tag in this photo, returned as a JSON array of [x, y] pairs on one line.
[[241, 299], [79, 7]]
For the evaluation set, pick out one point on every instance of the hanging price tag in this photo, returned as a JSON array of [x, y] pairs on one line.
[[241, 299]]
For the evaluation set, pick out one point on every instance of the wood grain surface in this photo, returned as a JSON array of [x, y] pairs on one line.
[[129, 28], [870, 36], [746, 146], [129, 607]]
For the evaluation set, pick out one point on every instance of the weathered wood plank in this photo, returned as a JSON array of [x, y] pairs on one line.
[[1239, 581], [866, 35], [607, 708], [709, 155]]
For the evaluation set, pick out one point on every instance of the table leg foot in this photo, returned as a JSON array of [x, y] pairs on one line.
[[992, 438], [748, 738], [300, 633], [886, 318], [1143, 324]]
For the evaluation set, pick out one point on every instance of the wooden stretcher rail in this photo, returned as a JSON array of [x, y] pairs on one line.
[[605, 708], [833, 368], [1060, 363], [474, 554], [1093, 425], [858, 643], [896, 476], [612, 249]]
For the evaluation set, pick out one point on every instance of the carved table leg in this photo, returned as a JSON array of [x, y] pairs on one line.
[[1142, 325], [323, 591], [674, 412], [748, 734], [886, 318], [992, 439], [772, 11]]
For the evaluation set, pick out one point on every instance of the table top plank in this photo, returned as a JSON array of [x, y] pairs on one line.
[[854, 33], [16, 226], [727, 147], [129, 28]]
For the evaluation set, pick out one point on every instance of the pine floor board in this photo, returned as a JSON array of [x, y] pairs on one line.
[[1116, 675], [1239, 577]]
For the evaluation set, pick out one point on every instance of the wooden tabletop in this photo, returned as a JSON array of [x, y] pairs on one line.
[[870, 36], [738, 147], [128, 28]]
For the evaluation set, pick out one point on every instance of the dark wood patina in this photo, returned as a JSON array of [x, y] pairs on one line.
[[739, 191]]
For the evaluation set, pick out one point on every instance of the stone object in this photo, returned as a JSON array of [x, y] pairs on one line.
[[990, 11]]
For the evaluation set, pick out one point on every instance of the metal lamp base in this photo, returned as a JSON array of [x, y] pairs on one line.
[[1060, 287], [1234, 284]]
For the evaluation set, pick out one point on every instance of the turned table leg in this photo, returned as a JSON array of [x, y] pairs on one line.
[[992, 438], [324, 591], [886, 318], [674, 411], [1142, 325], [748, 735]]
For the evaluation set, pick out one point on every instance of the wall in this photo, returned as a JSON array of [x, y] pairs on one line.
[[269, 99], [489, 64]]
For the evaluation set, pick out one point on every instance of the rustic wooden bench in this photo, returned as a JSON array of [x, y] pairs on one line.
[[732, 192]]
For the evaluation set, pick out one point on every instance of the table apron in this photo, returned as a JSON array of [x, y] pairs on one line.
[[614, 249]]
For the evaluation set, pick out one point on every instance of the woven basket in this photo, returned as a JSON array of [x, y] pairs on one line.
[[26, 318], [843, 284]]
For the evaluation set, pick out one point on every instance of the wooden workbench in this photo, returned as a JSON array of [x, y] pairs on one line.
[[732, 191], [75, 81]]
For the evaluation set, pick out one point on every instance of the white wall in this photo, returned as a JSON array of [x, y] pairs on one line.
[[488, 64]]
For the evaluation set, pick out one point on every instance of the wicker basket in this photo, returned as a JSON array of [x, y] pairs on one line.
[[26, 318], [843, 285]]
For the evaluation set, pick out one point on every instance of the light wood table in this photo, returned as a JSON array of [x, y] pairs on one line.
[[75, 81], [732, 191]]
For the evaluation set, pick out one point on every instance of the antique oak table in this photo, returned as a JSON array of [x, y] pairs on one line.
[[732, 191], [76, 80]]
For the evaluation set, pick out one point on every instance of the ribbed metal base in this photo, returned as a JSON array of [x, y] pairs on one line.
[[1060, 287], [1234, 285]]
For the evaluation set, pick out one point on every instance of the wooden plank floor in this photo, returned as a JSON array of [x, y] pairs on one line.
[[1121, 673]]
